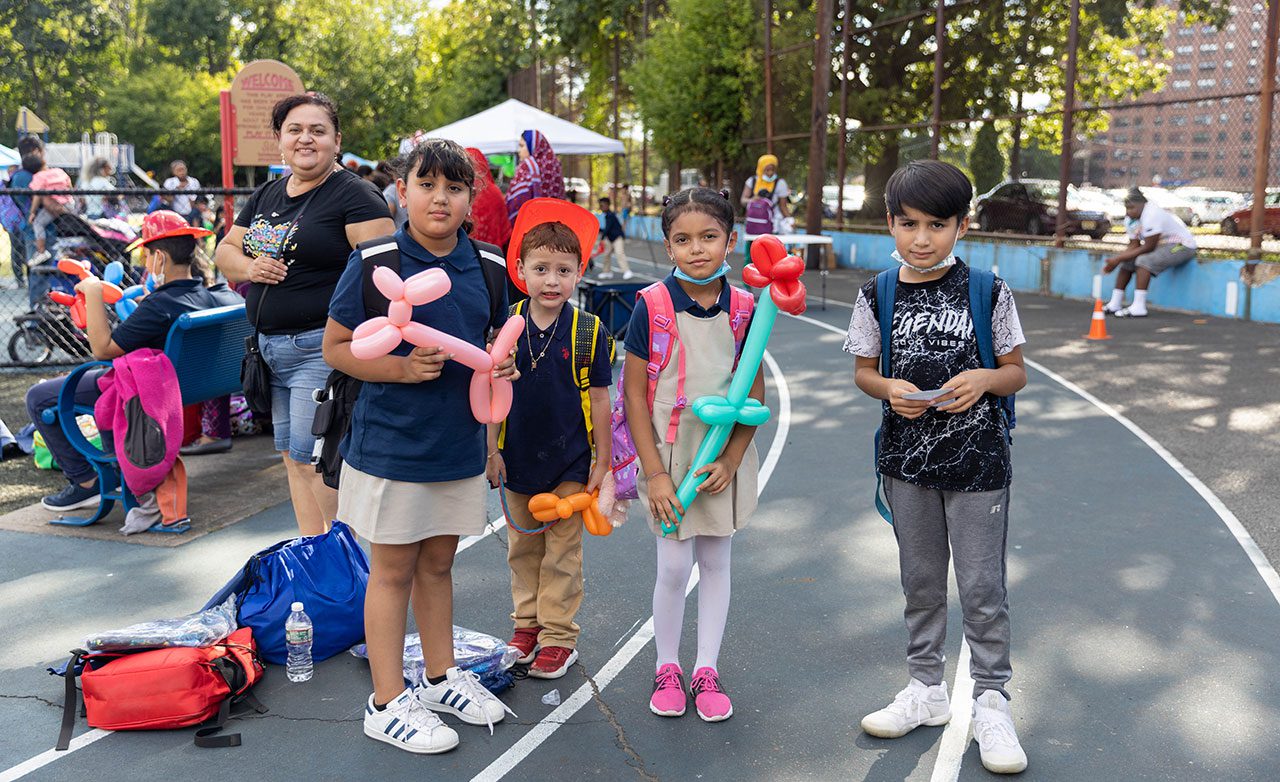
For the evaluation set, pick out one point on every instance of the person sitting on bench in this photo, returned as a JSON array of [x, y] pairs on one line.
[[168, 249]]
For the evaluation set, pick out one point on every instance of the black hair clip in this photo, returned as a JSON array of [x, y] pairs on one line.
[[666, 200], [724, 193]]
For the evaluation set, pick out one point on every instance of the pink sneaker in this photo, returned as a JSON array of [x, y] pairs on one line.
[[668, 692], [709, 698]]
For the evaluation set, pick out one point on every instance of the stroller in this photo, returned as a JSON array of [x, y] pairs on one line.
[[47, 327]]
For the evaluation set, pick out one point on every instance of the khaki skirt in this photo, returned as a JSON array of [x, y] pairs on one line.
[[384, 511]]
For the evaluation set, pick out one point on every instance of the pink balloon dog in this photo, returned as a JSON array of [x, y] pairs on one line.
[[490, 396]]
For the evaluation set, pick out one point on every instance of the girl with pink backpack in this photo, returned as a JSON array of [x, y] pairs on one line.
[[683, 342]]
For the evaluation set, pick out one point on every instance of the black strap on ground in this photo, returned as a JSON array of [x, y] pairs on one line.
[[69, 702], [207, 737]]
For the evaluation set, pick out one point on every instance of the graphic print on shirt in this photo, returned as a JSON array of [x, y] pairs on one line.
[[263, 238], [932, 342]]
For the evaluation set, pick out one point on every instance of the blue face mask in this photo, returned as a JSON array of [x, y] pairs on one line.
[[722, 271], [769, 177]]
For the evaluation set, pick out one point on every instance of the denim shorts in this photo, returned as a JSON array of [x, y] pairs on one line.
[[297, 370]]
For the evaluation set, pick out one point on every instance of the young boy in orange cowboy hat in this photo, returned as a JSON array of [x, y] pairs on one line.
[[168, 250]]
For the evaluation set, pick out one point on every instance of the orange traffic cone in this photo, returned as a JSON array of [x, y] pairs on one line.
[[1098, 326]]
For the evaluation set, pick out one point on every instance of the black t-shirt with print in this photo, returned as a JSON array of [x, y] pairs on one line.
[[932, 342], [316, 251]]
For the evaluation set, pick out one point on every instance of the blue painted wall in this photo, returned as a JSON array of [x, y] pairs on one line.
[[1199, 286]]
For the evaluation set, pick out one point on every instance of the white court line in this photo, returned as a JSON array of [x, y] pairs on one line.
[[50, 755], [549, 724], [955, 737]]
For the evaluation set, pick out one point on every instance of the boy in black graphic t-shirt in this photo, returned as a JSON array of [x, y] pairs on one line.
[[945, 460]]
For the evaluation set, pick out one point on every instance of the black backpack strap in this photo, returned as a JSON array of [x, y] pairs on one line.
[[382, 251], [494, 266], [69, 701]]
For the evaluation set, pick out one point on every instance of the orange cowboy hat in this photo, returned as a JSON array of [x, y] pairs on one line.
[[583, 223], [165, 224]]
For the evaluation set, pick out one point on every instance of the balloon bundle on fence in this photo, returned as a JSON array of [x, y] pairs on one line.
[[779, 274], [111, 292], [490, 396]]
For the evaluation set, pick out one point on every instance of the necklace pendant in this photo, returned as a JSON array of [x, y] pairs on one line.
[[533, 364]]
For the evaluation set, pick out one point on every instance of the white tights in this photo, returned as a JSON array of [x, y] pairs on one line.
[[675, 563]]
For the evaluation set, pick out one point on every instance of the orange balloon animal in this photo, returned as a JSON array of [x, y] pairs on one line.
[[551, 507]]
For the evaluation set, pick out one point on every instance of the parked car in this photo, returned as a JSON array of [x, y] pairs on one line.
[[1238, 222], [1212, 206], [854, 195], [1030, 206], [1172, 203]]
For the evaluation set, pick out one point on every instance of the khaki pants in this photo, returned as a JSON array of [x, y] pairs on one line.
[[546, 572], [617, 251]]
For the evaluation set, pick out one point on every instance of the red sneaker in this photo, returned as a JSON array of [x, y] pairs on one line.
[[525, 640], [553, 662]]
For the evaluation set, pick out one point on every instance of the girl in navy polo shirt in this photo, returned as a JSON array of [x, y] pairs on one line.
[[413, 479]]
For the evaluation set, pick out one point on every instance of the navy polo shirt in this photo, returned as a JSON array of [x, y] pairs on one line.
[[638, 331], [148, 326], [420, 432], [546, 440]]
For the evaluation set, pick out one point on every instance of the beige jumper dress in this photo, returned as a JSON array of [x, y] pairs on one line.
[[708, 370]]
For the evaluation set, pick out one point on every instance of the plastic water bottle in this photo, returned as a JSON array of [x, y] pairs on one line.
[[297, 639]]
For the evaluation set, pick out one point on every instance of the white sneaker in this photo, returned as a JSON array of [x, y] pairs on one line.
[[916, 705], [605, 275], [407, 725], [462, 695], [993, 729], [628, 275], [1108, 309], [39, 258]]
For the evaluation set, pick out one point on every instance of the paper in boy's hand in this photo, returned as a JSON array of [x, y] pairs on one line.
[[926, 396]]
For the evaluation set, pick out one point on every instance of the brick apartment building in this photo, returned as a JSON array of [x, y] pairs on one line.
[[1210, 141]]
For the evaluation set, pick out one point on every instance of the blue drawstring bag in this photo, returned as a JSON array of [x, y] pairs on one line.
[[327, 573]]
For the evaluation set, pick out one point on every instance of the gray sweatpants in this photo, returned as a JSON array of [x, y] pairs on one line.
[[971, 529]]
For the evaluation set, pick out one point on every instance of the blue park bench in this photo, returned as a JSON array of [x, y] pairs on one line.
[[206, 349]]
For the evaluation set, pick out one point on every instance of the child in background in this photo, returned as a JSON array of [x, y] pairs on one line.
[[413, 479], [945, 462], [697, 225], [169, 253], [47, 208], [616, 239], [560, 416]]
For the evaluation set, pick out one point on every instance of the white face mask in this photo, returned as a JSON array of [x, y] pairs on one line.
[[950, 260]]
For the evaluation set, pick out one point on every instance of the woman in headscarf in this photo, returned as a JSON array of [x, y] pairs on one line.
[[488, 211], [537, 176], [775, 187]]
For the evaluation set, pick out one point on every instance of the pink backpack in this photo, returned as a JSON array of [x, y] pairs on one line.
[[759, 217], [662, 341]]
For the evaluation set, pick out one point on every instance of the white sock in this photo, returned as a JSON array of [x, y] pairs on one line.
[[675, 563], [1117, 299], [713, 596], [1139, 301]]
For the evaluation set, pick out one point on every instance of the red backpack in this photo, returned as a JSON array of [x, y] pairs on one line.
[[160, 689]]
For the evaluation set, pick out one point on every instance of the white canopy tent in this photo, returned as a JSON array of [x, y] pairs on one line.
[[9, 157], [497, 130]]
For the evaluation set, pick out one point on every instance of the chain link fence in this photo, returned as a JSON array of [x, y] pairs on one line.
[[1189, 137], [95, 226]]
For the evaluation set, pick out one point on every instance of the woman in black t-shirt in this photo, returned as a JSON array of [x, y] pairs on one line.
[[292, 241]]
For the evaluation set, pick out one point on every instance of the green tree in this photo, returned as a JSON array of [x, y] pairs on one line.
[[57, 57], [167, 113], [985, 161], [181, 30], [697, 81]]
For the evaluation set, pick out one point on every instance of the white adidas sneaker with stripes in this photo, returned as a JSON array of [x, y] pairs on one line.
[[462, 695], [409, 726]]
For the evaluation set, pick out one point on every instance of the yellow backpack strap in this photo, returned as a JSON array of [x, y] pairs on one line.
[[515, 309], [586, 328]]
